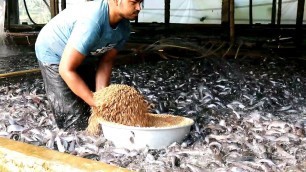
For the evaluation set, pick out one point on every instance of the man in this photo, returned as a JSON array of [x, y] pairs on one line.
[[75, 52]]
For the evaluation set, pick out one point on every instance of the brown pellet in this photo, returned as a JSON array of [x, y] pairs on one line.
[[120, 104], [164, 120]]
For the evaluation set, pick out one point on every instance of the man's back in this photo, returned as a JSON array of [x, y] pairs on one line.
[[86, 27]]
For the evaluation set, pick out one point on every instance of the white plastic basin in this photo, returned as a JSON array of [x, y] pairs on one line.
[[140, 137]]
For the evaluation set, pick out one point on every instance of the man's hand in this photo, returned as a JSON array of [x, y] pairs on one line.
[[70, 60]]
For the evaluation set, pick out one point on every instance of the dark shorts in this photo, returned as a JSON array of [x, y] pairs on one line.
[[69, 110]]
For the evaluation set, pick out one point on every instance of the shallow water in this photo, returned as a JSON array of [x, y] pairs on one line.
[[240, 100], [14, 58]]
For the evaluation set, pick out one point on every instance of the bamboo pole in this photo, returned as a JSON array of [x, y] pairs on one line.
[[11, 74]]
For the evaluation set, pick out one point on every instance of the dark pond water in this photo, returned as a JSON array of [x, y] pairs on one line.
[[17, 58]]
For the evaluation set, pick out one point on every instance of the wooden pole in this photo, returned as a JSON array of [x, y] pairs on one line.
[[299, 23], [300, 12], [63, 4], [8, 14], [225, 18], [232, 21], [54, 8], [251, 12], [279, 12], [167, 12], [273, 15]]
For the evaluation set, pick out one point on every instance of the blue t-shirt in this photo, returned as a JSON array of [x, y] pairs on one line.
[[86, 27]]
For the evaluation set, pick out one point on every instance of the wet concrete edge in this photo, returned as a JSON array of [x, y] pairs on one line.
[[19, 156]]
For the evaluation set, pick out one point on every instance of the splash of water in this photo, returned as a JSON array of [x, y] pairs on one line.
[[5, 51], [2, 16]]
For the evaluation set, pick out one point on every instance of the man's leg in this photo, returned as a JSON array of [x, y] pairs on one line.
[[69, 110]]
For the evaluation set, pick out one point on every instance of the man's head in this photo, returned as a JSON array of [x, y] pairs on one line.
[[128, 9]]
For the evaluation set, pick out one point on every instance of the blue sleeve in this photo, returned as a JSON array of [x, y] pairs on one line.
[[84, 36]]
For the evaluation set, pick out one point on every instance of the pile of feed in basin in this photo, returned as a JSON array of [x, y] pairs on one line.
[[123, 104]]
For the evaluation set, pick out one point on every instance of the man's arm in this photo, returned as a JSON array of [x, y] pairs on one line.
[[105, 69], [70, 60]]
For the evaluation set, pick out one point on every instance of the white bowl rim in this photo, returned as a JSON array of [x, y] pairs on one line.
[[116, 125]]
